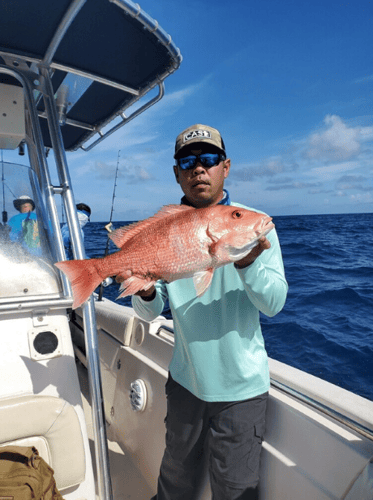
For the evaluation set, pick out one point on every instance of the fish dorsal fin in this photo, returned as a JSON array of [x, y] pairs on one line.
[[123, 234]]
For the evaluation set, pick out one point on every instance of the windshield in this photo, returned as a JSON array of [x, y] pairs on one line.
[[25, 236]]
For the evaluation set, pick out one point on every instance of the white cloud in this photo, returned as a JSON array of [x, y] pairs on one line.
[[337, 142], [362, 198], [366, 133], [269, 167], [358, 182], [130, 170], [329, 172], [294, 185], [365, 79]]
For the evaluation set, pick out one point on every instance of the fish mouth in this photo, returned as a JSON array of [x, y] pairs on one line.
[[265, 226]]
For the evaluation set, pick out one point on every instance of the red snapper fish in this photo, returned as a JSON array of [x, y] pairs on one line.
[[177, 242]]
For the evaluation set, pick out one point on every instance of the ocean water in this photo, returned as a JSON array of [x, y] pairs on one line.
[[326, 326]]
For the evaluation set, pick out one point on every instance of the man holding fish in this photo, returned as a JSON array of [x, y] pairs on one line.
[[219, 264], [219, 378]]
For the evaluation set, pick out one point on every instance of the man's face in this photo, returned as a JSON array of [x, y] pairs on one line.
[[25, 207], [202, 186]]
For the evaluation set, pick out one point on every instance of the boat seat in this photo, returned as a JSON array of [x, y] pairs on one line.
[[51, 425]]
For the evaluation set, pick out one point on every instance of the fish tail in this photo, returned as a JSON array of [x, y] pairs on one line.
[[83, 276]]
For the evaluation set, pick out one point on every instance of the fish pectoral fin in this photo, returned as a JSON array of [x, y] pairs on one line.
[[202, 280], [239, 253], [123, 276], [211, 235], [133, 285], [233, 246]]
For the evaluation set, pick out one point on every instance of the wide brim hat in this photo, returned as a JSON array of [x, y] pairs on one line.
[[21, 201], [199, 134]]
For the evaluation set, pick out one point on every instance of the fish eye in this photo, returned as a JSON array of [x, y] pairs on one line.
[[237, 214]]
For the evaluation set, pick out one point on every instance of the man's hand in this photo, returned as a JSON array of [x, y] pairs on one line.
[[141, 293], [263, 244]]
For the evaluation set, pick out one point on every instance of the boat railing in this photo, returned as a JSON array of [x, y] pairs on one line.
[[326, 410], [349, 421], [125, 119], [341, 405]]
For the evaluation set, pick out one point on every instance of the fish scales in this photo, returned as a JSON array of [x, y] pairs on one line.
[[168, 247], [177, 242]]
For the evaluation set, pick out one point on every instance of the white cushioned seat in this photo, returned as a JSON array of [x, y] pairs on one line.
[[52, 426]]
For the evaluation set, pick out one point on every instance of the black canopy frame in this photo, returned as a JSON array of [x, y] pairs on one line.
[[116, 48]]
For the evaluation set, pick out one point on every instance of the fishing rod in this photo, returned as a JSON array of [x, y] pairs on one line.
[[109, 226]]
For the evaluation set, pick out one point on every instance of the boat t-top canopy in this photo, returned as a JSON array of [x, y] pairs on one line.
[[103, 56]]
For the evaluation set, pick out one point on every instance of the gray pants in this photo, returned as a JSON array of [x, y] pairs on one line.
[[230, 432]]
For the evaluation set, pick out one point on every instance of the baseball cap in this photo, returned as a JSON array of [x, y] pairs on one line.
[[196, 134]]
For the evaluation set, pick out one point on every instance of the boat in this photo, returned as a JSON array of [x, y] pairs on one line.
[[86, 387]]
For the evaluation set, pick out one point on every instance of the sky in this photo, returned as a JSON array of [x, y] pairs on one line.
[[289, 86]]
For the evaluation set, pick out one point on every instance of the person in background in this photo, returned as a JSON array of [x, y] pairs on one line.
[[218, 382], [24, 227], [84, 213]]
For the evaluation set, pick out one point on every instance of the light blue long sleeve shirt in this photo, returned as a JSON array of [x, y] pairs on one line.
[[219, 352]]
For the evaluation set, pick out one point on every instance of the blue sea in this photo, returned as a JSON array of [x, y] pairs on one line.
[[326, 326]]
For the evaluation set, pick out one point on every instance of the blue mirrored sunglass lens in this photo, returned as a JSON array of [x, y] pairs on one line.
[[207, 160], [187, 162]]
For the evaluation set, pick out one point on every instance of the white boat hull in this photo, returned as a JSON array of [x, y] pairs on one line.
[[307, 454]]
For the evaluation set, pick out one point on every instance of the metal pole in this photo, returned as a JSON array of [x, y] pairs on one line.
[[89, 319], [129, 118], [68, 18]]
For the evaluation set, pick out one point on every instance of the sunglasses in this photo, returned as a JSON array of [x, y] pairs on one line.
[[208, 160]]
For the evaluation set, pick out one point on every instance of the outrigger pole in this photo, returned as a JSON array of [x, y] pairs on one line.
[[109, 226]]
